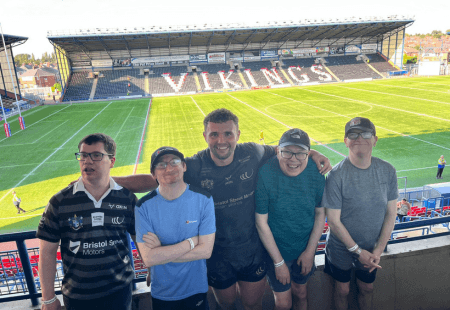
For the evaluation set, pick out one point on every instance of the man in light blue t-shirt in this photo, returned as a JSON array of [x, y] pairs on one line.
[[289, 218], [175, 232]]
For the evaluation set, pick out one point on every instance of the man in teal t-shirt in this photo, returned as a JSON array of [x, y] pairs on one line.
[[289, 217]]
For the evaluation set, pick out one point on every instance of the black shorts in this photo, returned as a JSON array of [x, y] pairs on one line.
[[243, 265], [344, 276], [120, 300], [194, 302]]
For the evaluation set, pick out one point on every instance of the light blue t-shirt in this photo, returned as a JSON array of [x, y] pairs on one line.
[[173, 221]]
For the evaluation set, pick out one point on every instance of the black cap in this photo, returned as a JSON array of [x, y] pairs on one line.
[[295, 136], [360, 123], [163, 151]]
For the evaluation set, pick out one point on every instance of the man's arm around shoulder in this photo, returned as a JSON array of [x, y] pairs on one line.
[[137, 183]]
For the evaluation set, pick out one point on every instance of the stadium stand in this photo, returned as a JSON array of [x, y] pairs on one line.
[[79, 86], [348, 68], [298, 68], [166, 80], [379, 63], [271, 75], [114, 83], [213, 78]]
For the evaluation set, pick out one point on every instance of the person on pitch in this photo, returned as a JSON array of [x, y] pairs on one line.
[[16, 202]]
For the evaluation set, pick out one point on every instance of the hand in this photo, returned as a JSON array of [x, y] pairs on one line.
[[151, 240], [306, 260], [283, 275], [369, 260], [53, 306], [322, 162]]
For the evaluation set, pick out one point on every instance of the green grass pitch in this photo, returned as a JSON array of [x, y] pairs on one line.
[[412, 117]]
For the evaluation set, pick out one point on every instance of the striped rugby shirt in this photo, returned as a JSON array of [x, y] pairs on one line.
[[94, 245]]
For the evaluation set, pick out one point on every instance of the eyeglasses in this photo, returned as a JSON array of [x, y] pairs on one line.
[[163, 165], [288, 155], [355, 135], [95, 156]]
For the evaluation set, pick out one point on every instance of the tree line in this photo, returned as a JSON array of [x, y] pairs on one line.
[[21, 59], [435, 34]]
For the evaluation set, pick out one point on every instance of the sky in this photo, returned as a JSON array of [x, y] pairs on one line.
[[33, 18]]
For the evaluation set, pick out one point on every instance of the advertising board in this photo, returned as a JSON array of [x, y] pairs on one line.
[[216, 57]]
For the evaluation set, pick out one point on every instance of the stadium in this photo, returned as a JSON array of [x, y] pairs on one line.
[[150, 87]]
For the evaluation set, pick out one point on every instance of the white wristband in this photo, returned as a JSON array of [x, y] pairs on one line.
[[50, 301], [353, 248], [279, 264], [191, 243]]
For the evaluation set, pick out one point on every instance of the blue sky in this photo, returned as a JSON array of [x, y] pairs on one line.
[[33, 18]]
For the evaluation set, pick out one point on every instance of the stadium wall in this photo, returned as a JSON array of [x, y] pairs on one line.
[[414, 277]]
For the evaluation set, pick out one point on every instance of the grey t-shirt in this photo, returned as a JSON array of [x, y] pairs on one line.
[[362, 196]]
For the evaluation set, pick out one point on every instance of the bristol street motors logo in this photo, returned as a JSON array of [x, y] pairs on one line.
[[75, 222], [74, 246], [208, 184]]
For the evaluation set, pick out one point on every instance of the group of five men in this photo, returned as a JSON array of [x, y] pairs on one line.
[[226, 217]]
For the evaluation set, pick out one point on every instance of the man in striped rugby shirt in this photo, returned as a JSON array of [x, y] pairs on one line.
[[91, 219]]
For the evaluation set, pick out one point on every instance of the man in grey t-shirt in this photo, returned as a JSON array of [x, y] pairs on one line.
[[360, 199]]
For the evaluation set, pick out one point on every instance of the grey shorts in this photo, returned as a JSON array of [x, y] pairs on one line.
[[296, 275]]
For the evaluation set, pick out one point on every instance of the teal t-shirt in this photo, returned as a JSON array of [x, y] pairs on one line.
[[290, 203]]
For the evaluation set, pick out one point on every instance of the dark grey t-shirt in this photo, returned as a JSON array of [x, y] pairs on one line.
[[362, 196], [232, 187]]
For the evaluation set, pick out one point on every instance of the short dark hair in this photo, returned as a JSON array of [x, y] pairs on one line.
[[221, 116], [108, 142], [404, 199]]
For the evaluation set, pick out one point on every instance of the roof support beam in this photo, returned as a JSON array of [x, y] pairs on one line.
[[104, 46], [190, 42], [82, 47], [249, 38], [334, 28], [148, 44], [306, 38], [360, 36], [127, 46], [269, 37], [230, 39], [168, 42], [209, 42]]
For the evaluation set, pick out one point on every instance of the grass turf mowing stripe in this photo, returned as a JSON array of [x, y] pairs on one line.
[[390, 94], [402, 134], [28, 126], [198, 106], [318, 142], [399, 133], [18, 184], [142, 137], [431, 90]]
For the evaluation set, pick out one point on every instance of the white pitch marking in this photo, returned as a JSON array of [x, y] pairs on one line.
[[51, 131], [16, 217], [198, 106], [318, 142], [399, 133], [433, 91], [37, 122], [416, 169], [433, 83], [123, 124], [34, 164], [389, 94], [20, 182]]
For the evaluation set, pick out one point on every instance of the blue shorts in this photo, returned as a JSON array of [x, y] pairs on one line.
[[296, 275]]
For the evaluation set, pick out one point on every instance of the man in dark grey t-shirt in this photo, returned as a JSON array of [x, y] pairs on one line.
[[360, 199]]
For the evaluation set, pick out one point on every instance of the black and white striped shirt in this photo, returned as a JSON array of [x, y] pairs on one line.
[[93, 235]]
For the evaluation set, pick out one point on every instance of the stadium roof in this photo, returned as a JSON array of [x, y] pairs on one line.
[[12, 40], [92, 44]]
